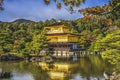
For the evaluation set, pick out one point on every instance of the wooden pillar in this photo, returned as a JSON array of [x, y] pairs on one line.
[[66, 54], [61, 53]]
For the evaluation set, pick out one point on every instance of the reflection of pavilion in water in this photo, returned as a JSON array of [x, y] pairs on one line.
[[59, 71]]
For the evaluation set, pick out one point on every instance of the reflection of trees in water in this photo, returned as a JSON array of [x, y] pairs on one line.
[[93, 66], [23, 68], [118, 68]]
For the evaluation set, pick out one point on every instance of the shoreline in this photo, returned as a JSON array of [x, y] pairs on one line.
[[10, 57]]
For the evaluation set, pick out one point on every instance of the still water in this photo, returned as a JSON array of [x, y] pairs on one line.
[[86, 68]]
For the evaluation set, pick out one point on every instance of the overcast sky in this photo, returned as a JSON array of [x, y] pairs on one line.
[[36, 10]]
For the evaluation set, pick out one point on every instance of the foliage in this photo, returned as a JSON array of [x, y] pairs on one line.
[[39, 41], [22, 37], [112, 8], [24, 53], [102, 24], [70, 3], [50, 51], [109, 46], [94, 10]]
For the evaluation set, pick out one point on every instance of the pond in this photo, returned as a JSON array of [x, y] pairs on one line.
[[86, 68]]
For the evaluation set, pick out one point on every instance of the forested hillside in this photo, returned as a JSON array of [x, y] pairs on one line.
[[27, 37], [99, 27]]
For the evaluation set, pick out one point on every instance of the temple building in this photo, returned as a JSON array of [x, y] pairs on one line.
[[62, 38]]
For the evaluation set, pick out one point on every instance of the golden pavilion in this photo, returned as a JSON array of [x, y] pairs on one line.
[[62, 38]]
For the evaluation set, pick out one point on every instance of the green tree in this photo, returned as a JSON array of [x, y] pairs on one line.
[[38, 42], [109, 46], [5, 42]]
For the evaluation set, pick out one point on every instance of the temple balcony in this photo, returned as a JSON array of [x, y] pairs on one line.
[[57, 31]]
